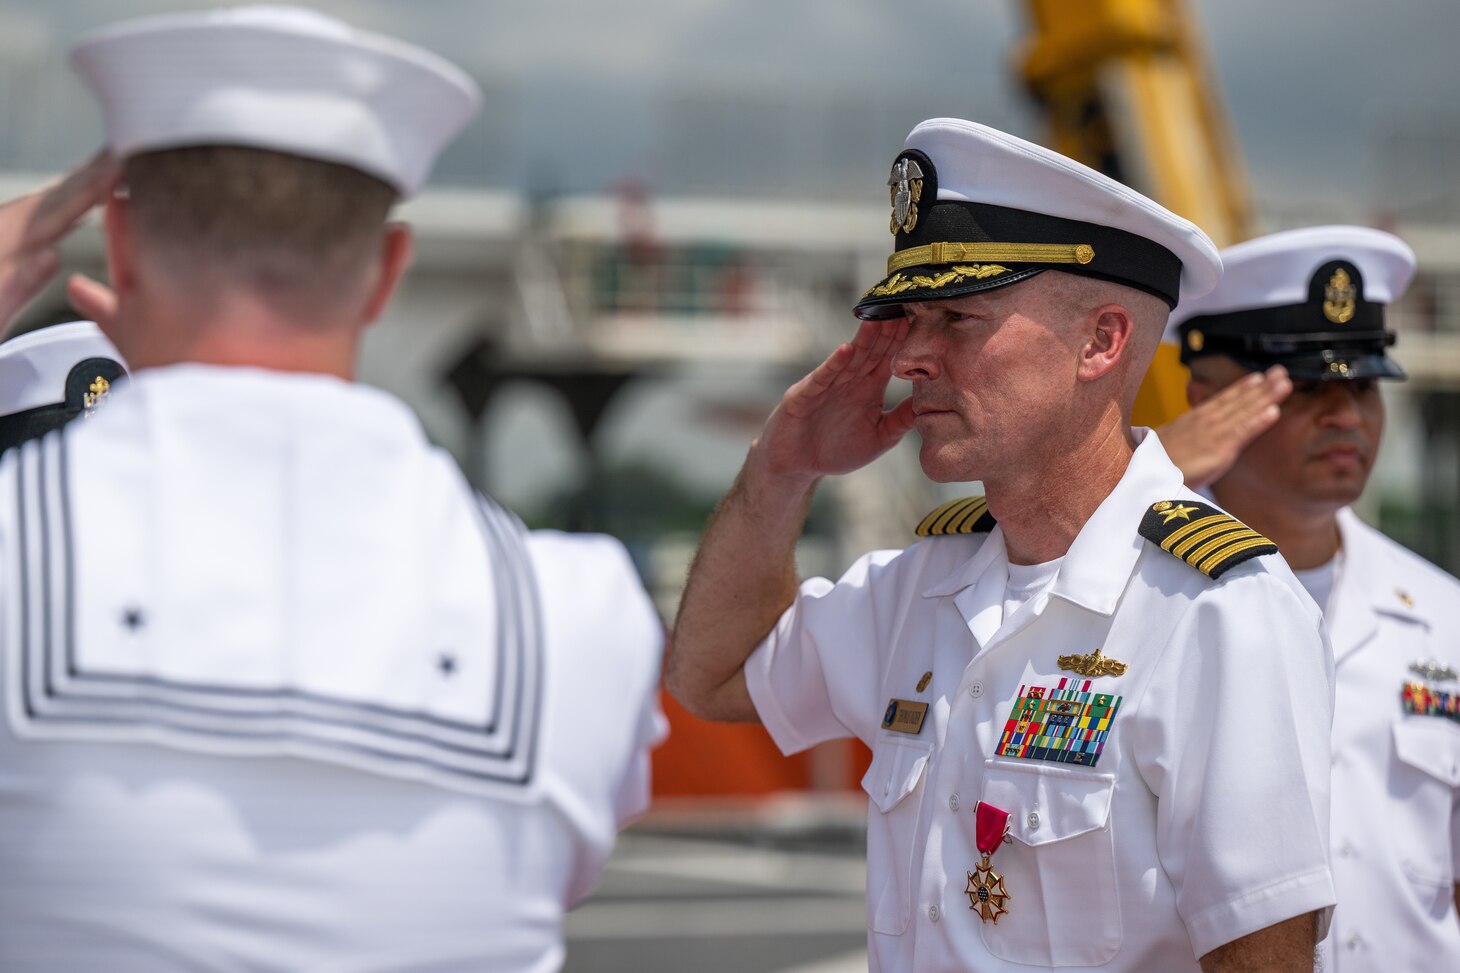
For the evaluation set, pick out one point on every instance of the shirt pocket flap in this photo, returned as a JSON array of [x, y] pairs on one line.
[[1430, 744], [1047, 804], [895, 771]]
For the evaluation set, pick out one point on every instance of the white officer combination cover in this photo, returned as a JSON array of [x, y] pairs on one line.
[[280, 692]]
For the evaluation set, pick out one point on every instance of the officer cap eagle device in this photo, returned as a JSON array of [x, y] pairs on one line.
[[973, 209], [1312, 300]]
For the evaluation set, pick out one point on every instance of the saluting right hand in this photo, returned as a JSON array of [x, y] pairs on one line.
[[833, 421], [1205, 441], [32, 227]]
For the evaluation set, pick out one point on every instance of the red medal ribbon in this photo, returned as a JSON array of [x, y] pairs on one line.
[[990, 826], [987, 895]]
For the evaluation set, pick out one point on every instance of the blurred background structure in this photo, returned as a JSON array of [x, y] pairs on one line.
[[663, 216]]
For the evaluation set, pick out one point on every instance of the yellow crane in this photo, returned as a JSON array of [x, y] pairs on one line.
[[1126, 89]]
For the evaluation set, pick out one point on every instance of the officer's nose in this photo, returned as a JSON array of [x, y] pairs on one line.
[[1341, 405], [917, 358]]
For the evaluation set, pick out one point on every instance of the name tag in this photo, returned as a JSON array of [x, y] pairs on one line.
[[904, 716]]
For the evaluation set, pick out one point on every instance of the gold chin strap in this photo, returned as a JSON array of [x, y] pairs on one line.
[[936, 254]]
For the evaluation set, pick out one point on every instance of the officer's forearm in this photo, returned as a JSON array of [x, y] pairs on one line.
[[743, 578], [1286, 947]]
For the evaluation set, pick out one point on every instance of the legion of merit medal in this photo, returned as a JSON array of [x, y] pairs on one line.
[[986, 892]]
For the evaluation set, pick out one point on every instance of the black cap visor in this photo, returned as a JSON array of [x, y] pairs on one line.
[[33, 423], [1332, 365], [1308, 357]]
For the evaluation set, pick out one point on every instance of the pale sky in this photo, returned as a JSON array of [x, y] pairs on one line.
[[1339, 102]]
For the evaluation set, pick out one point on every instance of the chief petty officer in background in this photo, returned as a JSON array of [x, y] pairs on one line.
[[279, 691], [1313, 301], [1091, 661]]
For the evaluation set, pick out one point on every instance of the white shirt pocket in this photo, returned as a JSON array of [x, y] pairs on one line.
[[1059, 869], [892, 785], [1431, 745]]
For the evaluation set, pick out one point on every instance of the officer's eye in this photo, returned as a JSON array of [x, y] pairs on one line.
[[1306, 389], [1364, 386]]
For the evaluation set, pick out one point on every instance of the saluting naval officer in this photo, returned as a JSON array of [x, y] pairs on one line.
[[1313, 301], [1098, 708], [279, 690]]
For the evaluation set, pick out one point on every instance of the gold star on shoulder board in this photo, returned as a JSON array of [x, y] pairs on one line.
[[986, 892], [1169, 513]]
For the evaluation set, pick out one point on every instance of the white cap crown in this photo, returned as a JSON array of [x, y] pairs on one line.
[[281, 78]]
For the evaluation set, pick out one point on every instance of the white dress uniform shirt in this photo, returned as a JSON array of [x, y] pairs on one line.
[[281, 693], [1205, 816], [1396, 774]]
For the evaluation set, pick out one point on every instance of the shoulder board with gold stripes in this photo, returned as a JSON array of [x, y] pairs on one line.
[[969, 515], [1203, 536]]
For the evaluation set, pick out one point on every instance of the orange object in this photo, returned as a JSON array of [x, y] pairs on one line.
[[704, 759], [1162, 396]]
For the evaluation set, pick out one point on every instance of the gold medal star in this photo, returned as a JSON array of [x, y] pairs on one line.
[[986, 892]]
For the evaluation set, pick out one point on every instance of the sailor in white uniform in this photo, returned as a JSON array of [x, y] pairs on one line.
[[1098, 707], [1313, 301], [280, 691]]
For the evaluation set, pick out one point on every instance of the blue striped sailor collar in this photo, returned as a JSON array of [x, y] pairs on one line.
[[1099, 563]]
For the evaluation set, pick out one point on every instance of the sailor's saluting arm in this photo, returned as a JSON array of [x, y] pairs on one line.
[[32, 227], [832, 421]]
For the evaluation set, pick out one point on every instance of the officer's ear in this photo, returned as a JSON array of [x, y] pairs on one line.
[[397, 248], [1107, 342]]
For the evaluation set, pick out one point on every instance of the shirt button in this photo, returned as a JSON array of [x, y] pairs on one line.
[[1032, 820], [976, 690], [933, 912], [953, 802], [1354, 944], [1346, 849]]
